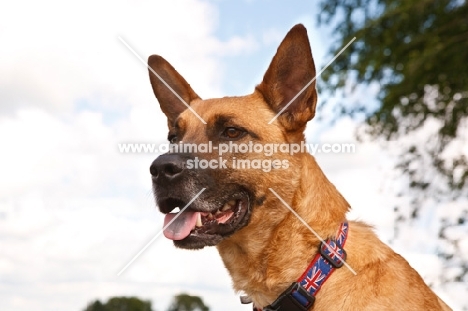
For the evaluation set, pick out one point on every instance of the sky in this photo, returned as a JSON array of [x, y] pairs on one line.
[[73, 210]]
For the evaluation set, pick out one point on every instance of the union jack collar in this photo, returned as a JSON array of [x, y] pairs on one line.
[[300, 296]]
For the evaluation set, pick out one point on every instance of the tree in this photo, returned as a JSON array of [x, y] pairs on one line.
[[95, 306], [120, 304], [184, 302], [415, 52]]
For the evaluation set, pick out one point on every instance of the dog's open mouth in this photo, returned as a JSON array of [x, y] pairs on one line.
[[200, 225]]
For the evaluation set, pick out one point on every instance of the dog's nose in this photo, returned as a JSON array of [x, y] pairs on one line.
[[167, 166]]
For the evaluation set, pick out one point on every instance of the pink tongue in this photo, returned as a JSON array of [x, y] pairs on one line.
[[181, 226]]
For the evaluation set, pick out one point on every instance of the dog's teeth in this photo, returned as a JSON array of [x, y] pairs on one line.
[[232, 203], [226, 207], [210, 216], [199, 222], [218, 212]]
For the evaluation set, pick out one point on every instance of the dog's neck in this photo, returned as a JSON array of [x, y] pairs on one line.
[[255, 258]]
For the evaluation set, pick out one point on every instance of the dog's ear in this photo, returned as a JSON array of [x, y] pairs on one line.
[[170, 104], [291, 69]]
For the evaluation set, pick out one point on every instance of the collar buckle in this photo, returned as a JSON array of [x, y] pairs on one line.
[[295, 298], [331, 257]]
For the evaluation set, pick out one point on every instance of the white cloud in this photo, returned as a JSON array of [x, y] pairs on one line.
[[56, 53], [73, 210]]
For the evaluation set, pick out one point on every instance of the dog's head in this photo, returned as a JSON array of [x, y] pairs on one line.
[[233, 194]]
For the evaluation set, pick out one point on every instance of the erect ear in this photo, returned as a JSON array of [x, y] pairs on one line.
[[170, 104], [291, 69]]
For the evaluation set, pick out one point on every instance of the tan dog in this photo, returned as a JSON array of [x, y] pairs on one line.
[[264, 246]]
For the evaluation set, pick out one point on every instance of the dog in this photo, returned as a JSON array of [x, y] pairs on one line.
[[269, 250]]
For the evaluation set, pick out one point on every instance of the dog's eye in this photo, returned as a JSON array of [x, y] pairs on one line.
[[233, 133]]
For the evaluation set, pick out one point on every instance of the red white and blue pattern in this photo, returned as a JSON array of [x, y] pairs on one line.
[[320, 268], [342, 234], [314, 279], [317, 273]]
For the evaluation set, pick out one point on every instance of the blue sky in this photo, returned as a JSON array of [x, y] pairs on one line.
[[267, 21], [73, 210]]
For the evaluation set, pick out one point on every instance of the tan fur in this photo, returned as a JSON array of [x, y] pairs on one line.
[[275, 248]]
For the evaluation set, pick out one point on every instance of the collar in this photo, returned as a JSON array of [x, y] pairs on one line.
[[300, 296]]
